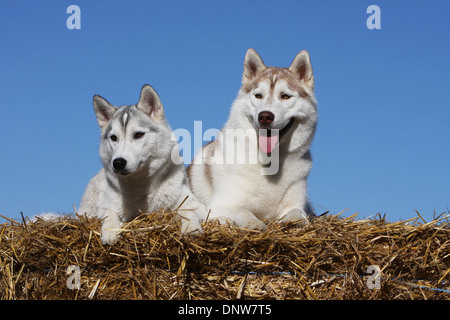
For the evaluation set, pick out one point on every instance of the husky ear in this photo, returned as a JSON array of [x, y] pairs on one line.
[[103, 110], [150, 104], [253, 65], [301, 67]]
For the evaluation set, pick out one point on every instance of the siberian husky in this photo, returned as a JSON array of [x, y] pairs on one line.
[[276, 111], [138, 174]]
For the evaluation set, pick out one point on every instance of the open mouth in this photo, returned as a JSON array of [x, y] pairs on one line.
[[267, 140]]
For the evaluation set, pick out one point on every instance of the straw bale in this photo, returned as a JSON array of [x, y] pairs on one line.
[[324, 259]]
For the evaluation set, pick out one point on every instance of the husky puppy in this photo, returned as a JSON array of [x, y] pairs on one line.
[[138, 174], [273, 117]]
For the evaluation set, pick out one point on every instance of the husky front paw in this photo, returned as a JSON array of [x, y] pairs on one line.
[[191, 227], [293, 215], [242, 218], [253, 224], [110, 228], [109, 236]]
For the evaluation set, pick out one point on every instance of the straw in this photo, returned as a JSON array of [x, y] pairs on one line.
[[325, 259]]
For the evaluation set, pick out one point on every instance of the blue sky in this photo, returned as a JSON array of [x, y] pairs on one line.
[[382, 143]]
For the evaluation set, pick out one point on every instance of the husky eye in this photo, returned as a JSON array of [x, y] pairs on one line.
[[258, 95], [139, 135], [285, 96], [113, 138]]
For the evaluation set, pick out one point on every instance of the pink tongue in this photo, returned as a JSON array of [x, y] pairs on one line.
[[267, 143]]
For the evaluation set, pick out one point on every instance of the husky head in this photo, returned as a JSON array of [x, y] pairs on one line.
[[133, 136], [279, 103]]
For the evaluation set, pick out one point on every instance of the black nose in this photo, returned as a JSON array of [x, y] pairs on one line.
[[119, 164], [265, 119]]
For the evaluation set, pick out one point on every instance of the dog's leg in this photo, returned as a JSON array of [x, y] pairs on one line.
[[292, 215], [191, 214], [110, 227], [190, 224], [241, 217], [293, 205]]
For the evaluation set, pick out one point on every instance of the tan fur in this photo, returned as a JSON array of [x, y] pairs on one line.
[[274, 74], [248, 193]]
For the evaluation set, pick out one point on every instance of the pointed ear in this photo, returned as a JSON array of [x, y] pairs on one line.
[[302, 69], [150, 104], [253, 65], [103, 110]]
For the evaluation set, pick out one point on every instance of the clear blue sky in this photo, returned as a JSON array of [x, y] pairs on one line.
[[382, 143]]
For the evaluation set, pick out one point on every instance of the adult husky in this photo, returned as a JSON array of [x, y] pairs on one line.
[[276, 111], [136, 149]]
